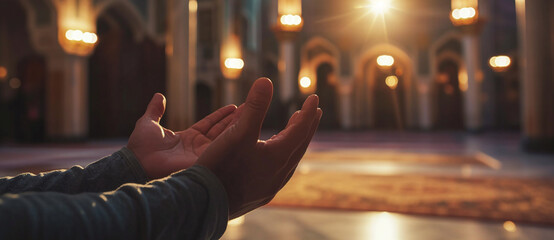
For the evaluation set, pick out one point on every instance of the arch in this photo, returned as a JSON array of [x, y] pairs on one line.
[[316, 53], [309, 64], [364, 83], [315, 42], [445, 38], [128, 11], [43, 36]]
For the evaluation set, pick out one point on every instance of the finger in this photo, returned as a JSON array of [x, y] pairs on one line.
[[291, 137], [255, 108], [156, 108], [209, 121], [219, 127], [299, 153]]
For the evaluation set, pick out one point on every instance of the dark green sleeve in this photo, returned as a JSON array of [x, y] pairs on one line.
[[191, 204], [104, 175]]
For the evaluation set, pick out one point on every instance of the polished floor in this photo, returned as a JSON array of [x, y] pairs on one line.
[[499, 153], [292, 224]]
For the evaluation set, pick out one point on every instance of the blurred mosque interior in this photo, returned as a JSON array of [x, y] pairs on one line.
[[415, 94]]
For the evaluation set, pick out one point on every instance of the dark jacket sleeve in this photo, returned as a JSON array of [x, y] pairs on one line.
[[191, 204], [106, 174]]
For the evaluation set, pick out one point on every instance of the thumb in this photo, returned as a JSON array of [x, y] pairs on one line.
[[255, 107], [156, 108]]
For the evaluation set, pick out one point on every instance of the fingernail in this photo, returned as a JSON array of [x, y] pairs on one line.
[[311, 100]]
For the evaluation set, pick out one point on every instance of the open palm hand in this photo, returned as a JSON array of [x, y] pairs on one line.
[[161, 151]]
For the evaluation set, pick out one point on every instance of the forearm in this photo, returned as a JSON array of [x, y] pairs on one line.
[[104, 175], [190, 204]]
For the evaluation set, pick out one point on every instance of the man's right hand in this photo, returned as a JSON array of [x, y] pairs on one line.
[[251, 170]]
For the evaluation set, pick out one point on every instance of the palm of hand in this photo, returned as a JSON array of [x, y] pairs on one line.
[[162, 151]]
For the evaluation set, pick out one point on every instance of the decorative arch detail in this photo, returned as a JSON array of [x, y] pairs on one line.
[[364, 83], [128, 11]]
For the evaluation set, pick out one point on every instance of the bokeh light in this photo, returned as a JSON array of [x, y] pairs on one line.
[[392, 82], [291, 20], [15, 83], [78, 35], [3, 72], [234, 63], [385, 60], [500, 61], [305, 82], [509, 226]]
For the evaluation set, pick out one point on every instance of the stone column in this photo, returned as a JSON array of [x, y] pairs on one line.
[[472, 97], [180, 86], [536, 25], [229, 43], [424, 84], [67, 97], [287, 73]]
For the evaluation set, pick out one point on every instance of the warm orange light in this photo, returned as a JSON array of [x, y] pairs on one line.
[[290, 15], [380, 6], [385, 60], [80, 36], [193, 6], [462, 80], [499, 63], [234, 63], [464, 12], [231, 61], [305, 82], [291, 20], [509, 226], [293, 7], [392, 82], [3, 72]]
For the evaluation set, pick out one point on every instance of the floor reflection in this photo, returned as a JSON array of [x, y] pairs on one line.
[[383, 226]]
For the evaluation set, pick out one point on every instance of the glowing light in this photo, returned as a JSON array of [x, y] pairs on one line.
[[3, 72], [15, 83], [500, 61], [89, 37], [510, 226], [380, 6], [383, 226], [462, 80], [291, 20], [464, 12], [392, 82], [456, 14], [385, 60], [234, 63], [237, 221], [305, 82], [193, 6], [78, 35]]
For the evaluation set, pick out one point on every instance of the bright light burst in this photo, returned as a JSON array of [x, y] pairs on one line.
[[380, 6]]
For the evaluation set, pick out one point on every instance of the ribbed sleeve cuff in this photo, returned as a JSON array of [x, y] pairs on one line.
[[133, 164], [218, 206]]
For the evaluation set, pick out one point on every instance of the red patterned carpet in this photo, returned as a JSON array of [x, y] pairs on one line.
[[494, 198], [525, 200]]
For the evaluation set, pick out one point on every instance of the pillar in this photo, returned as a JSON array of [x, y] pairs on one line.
[[472, 97], [424, 85], [67, 97], [180, 85], [230, 47], [287, 73], [536, 24]]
